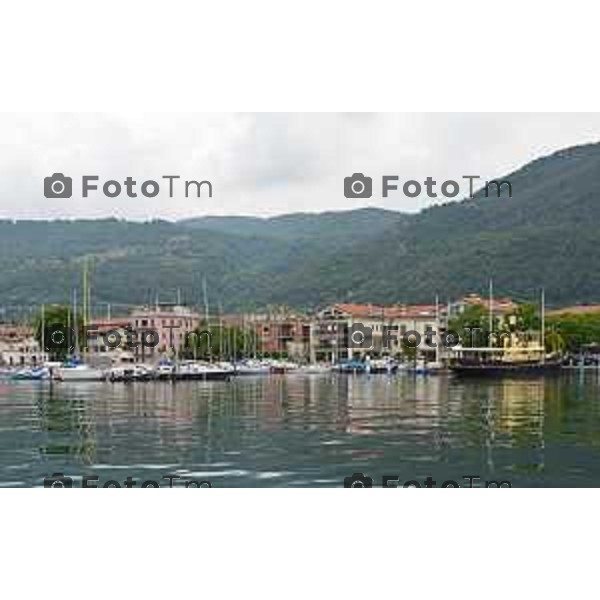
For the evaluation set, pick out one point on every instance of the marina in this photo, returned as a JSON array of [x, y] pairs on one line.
[[284, 398]]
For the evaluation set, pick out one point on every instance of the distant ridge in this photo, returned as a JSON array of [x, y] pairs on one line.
[[546, 235]]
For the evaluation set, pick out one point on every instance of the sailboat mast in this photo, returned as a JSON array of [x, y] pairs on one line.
[[437, 324], [85, 317], [206, 317], [85, 298], [491, 313], [43, 332], [221, 332], [543, 331], [76, 346], [205, 297]]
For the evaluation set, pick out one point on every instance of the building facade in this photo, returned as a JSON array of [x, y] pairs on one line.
[[108, 341], [277, 333], [19, 347], [171, 323], [344, 331]]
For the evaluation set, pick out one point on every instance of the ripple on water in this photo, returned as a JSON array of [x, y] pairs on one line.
[[296, 431]]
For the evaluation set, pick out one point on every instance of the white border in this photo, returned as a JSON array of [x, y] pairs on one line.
[[270, 55], [273, 55], [298, 544]]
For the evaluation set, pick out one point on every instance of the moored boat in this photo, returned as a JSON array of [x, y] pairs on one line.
[[500, 369], [31, 374], [6, 373], [74, 370], [490, 361], [381, 366], [122, 373], [165, 369], [281, 367], [252, 367], [199, 371], [350, 367], [314, 369]]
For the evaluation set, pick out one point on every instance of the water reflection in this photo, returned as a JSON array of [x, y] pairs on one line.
[[305, 430]]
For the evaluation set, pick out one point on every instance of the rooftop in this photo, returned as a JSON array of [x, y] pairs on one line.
[[396, 311], [499, 305]]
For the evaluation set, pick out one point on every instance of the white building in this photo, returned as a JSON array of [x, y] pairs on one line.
[[18, 347]]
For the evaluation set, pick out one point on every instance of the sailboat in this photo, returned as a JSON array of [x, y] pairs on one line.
[[75, 369]]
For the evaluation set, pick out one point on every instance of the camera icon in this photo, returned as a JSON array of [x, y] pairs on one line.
[[360, 336], [358, 480], [358, 186], [58, 480], [58, 186], [59, 337]]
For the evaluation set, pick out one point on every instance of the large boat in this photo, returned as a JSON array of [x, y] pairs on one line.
[[503, 361], [515, 355], [501, 370]]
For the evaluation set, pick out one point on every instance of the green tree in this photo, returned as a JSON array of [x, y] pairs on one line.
[[527, 318], [57, 335], [554, 341], [576, 330], [472, 326]]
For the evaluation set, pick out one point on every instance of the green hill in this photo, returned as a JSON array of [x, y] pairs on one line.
[[545, 235]]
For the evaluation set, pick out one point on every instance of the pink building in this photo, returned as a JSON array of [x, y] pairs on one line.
[[171, 322]]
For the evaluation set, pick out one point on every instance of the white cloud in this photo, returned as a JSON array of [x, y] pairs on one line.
[[269, 163]]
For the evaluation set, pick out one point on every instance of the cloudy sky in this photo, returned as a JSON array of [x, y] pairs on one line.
[[263, 164]]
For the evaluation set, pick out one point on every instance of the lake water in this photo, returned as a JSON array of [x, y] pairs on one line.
[[299, 430]]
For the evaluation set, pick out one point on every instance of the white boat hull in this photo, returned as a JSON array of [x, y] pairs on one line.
[[80, 374]]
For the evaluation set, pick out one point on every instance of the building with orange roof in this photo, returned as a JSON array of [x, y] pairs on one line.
[[500, 306], [333, 329]]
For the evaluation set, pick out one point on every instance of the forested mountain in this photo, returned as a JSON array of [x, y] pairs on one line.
[[546, 235]]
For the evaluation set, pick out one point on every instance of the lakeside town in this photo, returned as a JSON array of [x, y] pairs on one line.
[[344, 337]]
